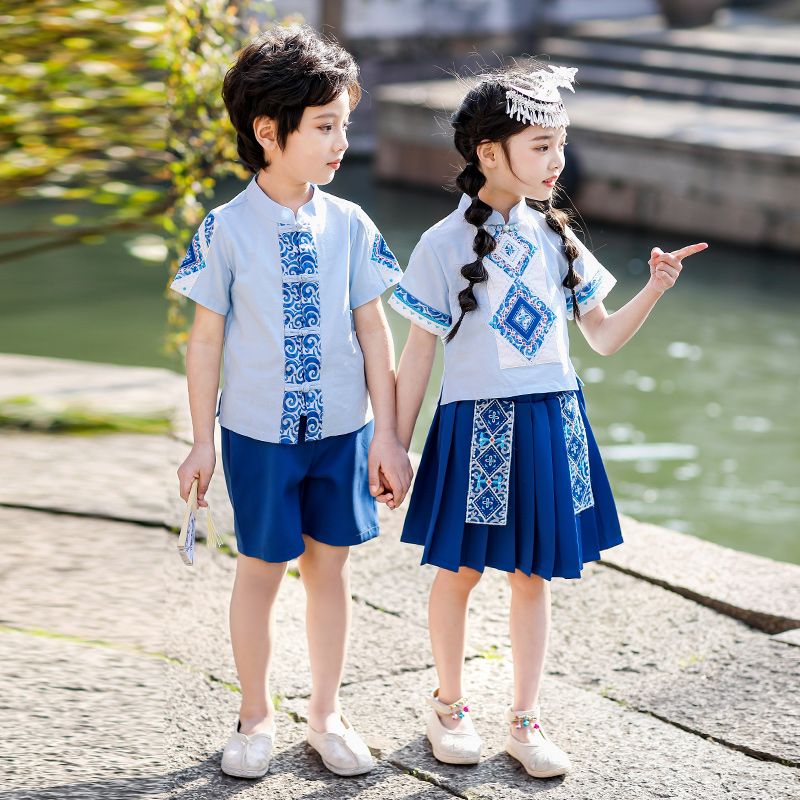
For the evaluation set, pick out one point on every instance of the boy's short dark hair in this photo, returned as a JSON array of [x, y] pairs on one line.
[[280, 74]]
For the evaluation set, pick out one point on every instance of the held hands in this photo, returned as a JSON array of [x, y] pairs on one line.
[[390, 470], [199, 464], [665, 267]]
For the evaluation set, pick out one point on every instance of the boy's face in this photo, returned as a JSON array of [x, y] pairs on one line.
[[315, 150]]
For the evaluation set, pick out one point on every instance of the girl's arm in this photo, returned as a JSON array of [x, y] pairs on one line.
[[387, 458], [203, 357], [413, 374], [607, 333]]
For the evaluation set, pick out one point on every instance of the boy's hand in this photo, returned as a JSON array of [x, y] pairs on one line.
[[665, 267], [199, 464], [389, 468]]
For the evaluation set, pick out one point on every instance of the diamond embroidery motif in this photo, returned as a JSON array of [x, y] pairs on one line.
[[577, 452], [381, 254], [512, 254], [490, 462], [523, 320]]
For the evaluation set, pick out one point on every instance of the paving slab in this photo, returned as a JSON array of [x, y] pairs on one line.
[[79, 721], [616, 752], [125, 476], [762, 592]]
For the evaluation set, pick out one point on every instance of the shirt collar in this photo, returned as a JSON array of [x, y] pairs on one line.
[[521, 212], [265, 205]]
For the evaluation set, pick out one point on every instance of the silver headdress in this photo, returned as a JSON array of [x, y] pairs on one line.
[[534, 97]]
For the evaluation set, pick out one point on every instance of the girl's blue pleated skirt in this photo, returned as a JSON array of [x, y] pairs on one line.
[[547, 512]]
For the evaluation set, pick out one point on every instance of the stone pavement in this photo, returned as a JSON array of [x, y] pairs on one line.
[[118, 680]]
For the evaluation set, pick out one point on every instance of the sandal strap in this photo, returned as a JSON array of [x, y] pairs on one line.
[[532, 716], [458, 708]]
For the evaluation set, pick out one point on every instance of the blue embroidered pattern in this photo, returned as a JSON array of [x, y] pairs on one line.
[[523, 320], [577, 452], [301, 358], [587, 291], [194, 260], [512, 253], [208, 228], [381, 254], [298, 252], [490, 462], [300, 305], [302, 342], [413, 306]]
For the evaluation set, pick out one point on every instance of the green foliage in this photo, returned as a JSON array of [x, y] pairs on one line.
[[110, 112]]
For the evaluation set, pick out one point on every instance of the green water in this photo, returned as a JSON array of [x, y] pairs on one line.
[[697, 416]]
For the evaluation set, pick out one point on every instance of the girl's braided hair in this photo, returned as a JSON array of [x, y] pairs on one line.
[[482, 117]]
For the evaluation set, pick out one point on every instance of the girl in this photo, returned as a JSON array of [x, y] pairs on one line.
[[288, 279], [511, 476]]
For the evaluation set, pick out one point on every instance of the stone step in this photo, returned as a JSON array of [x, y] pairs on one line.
[[701, 90], [635, 55], [774, 41]]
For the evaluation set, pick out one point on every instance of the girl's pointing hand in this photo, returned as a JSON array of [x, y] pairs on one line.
[[665, 267]]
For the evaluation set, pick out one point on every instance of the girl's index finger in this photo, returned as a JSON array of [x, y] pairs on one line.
[[689, 250]]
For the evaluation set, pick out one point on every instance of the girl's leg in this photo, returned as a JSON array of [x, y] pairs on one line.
[[530, 630], [252, 621], [447, 623], [325, 571]]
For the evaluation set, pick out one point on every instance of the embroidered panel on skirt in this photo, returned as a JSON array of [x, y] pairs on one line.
[[302, 342], [490, 462], [577, 452]]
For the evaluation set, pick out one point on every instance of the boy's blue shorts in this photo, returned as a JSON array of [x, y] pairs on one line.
[[281, 491]]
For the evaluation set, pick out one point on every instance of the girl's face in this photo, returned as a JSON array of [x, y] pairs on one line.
[[315, 150], [535, 160]]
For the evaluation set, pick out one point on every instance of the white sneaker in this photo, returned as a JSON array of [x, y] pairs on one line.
[[248, 756], [342, 754], [452, 746], [540, 757]]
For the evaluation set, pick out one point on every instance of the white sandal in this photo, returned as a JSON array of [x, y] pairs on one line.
[[449, 746], [541, 757], [342, 754], [248, 756]]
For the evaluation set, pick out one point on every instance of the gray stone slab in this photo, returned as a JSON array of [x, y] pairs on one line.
[[85, 578], [616, 752], [762, 592], [59, 383], [120, 476], [79, 721]]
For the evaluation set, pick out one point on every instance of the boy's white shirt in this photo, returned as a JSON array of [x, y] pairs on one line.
[[516, 341], [287, 286]]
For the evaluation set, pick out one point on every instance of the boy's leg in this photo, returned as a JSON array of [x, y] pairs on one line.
[[447, 624], [325, 571], [252, 621], [529, 625]]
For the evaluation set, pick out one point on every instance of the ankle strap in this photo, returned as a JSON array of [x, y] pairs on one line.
[[455, 710], [523, 719]]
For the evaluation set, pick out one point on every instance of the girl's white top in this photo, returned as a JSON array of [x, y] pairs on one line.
[[516, 341], [287, 286]]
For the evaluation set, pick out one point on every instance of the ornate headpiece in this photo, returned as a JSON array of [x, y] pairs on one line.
[[534, 97]]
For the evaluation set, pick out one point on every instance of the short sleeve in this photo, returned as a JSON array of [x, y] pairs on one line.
[[205, 274], [373, 266], [596, 281], [422, 296]]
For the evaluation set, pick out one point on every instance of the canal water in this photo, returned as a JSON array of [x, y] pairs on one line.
[[697, 417]]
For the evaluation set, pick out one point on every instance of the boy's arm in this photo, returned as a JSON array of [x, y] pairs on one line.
[[413, 375], [386, 454], [203, 357]]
